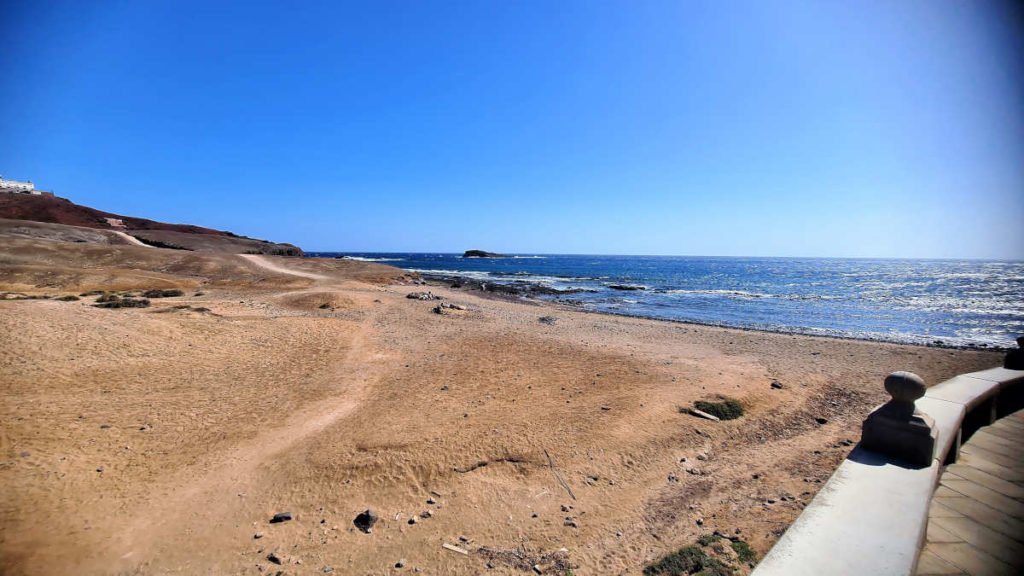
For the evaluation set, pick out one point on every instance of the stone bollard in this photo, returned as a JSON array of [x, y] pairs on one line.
[[1015, 358], [897, 428]]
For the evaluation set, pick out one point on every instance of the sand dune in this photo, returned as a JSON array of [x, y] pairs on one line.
[[162, 440]]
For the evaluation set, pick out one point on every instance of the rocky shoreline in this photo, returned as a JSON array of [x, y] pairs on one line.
[[536, 292]]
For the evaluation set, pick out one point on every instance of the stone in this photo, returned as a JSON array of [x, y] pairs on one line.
[[821, 420], [897, 428], [777, 385], [400, 563], [275, 558], [571, 522], [281, 517], [365, 520], [257, 536], [431, 501]]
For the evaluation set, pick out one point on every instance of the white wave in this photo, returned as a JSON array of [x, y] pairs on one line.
[[366, 259]]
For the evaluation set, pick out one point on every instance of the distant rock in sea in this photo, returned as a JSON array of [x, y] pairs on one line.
[[482, 254], [626, 287]]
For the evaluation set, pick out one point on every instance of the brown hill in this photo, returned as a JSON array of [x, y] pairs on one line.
[[56, 210]]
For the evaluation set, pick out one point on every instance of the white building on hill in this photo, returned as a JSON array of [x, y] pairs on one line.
[[18, 187], [15, 186]]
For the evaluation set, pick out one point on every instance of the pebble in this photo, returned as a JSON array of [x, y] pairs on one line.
[[257, 536], [281, 517], [400, 563]]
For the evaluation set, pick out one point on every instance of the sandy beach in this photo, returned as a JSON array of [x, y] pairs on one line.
[[162, 440]]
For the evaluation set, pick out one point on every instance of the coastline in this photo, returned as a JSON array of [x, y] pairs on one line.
[[535, 292], [318, 387]]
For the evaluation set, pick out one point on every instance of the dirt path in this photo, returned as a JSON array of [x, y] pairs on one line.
[[131, 239], [262, 262], [216, 497]]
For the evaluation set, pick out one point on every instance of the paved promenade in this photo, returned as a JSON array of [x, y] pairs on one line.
[[976, 520]]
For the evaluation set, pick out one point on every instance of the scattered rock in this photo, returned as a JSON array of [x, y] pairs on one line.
[[257, 536], [821, 420], [275, 558], [422, 296], [570, 522], [365, 520], [426, 514], [777, 385], [400, 563], [281, 517], [431, 501], [549, 320], [413, 521]]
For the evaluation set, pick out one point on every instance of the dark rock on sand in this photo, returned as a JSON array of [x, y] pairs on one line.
[[281, 517], [365, 520]]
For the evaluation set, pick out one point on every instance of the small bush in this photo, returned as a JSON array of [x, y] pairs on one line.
[[728, 409], [162, 293], [685, 561], [91, 293], [124, 303], [743, 551], [159, 244], [708, 539], [69, 298]]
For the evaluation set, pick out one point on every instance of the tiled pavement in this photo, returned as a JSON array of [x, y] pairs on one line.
[[976, 521]]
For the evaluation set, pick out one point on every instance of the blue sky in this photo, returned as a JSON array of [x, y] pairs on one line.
[[862, 129]]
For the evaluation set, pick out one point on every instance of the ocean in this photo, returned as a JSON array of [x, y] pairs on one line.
[[944, 302]]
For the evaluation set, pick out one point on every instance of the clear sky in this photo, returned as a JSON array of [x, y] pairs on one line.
[[869, 128]]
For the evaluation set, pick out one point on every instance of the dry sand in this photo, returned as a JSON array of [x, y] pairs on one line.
[[162, 440]]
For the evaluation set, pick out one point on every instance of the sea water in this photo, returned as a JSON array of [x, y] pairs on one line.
[[951, 302]]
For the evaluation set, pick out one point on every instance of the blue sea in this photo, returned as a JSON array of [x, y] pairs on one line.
[[948, 302]]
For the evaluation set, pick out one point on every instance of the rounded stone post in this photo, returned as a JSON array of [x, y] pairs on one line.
[[897, 428]]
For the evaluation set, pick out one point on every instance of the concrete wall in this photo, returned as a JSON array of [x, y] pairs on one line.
[[872, 515]]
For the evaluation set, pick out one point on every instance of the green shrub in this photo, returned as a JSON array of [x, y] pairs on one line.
[[743, 551], [162, 293], [686, 561], [728, 409], [124, 303], [708, 539]]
